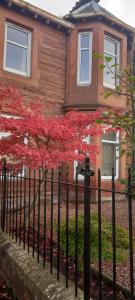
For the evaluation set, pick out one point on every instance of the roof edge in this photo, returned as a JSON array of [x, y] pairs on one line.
[[39, 12], [87, 15]]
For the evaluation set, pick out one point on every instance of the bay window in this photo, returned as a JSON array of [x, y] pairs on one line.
[[111, 50], [110, 153], [84, 67]]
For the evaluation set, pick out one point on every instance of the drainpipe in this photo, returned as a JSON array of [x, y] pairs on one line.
[[132, 62]]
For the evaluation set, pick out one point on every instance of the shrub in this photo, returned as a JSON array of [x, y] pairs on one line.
[[107, 252]]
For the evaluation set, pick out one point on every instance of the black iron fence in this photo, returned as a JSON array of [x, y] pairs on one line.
[[67, 224]]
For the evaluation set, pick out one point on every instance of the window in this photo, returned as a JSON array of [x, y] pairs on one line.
[[17, 50], [112, 50], [6, 135], [84, 68], [80, 165], [110, 153]]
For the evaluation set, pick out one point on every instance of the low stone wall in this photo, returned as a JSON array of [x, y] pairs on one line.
[[30, 281]]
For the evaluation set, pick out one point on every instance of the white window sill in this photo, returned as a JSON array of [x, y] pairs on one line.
[[109, 178], [80, 177], [83, 83], [109, 86], [16, 72]]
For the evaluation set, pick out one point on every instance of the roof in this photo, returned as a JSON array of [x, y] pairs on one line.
[[39, 14], [91, 8]]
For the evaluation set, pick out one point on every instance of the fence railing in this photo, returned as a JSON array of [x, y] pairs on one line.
[[67, 224]]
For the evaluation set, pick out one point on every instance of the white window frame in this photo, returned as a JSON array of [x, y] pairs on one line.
[[117, 59], [6, 134], [12, 70], [117, 156], [88, 82], [80, 177]]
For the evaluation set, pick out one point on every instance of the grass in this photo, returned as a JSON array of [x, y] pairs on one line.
[[122, 243]]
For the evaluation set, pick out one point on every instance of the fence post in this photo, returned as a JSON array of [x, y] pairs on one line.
[[87, 174], [4, 171]]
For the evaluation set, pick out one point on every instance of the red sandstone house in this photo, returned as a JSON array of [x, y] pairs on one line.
[[51, 57]]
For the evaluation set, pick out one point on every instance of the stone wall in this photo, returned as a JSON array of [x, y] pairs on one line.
[[28, 278]]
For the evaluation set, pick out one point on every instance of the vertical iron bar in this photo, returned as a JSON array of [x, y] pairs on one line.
[[1, 191], [76, 234], [4, 171], [130, 234], [34, 199], [20, 221], [51, 237], [87, 231], [114, 234], [45, 195], [29, 210], [1, 199], [13, 208], [59, 219], [24, 226], [10, 202], [100, 234], [17, 206], [39, 203], [67, 224], [7, 207]]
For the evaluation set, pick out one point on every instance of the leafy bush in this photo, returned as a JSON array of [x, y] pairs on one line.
[[107, 252], [124, 182]]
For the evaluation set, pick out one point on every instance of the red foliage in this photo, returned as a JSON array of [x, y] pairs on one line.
[[49, 140]]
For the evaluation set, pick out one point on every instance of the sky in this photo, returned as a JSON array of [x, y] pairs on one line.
[[123, 9]]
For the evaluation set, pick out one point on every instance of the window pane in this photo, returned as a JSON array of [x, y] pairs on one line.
[[4, 135], [85, 41], [108, 159], [17, 36], [84, 68], [16, 58], [109, 73], [109, 46], [110, 136]]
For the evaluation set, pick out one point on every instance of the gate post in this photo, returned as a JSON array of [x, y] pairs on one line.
[[4, 171], [87, 174]]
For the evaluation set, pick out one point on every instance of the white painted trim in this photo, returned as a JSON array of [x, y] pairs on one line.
[[80, 177], [79, 82], [28, 48], [117, 155]]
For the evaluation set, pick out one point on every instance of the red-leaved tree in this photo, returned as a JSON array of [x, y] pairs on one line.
[[34, 140]]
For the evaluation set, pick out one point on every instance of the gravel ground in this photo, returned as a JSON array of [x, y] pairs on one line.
[[122, 216]]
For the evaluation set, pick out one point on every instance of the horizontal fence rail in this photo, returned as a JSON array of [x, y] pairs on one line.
[[68, 226]]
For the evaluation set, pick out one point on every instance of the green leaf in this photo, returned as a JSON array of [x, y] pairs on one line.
[[131, 89], [118, 89], [131, 78], [114, 65], [108, 59], [108, 94], [97, 55], [99, 121], [101, 67]]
